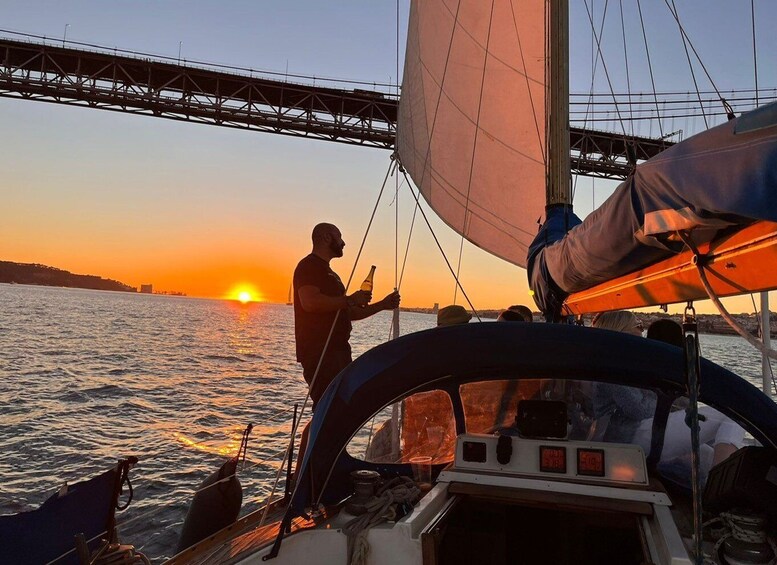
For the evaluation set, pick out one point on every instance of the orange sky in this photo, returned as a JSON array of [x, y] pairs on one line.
[[223, 208], [201, 209]]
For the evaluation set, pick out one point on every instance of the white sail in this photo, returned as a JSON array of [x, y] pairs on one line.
[[471, 129]]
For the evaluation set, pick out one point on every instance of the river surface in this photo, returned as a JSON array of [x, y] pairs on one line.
[[87, 377]]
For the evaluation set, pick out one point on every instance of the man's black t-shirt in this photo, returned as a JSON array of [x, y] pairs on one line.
[[311, 329]]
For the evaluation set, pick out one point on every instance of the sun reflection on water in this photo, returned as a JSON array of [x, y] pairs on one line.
[[228, 449]]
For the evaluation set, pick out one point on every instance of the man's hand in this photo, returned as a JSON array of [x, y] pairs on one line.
[[391, 301], [361, 298]]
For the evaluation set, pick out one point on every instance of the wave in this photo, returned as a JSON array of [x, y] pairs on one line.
[[106, 391], [231, 358]]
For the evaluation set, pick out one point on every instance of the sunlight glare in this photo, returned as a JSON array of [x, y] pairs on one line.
[[244, 293]]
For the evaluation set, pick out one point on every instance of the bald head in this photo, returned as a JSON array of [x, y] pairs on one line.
[[327, 241], [321, 231]]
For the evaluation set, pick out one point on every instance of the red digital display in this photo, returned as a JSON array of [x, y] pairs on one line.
[[553, 459], [590, 462]]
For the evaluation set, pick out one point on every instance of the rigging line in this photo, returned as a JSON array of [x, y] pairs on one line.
[[439, 98], [604, 66], [650, 65], [407, 247], [474, 146], [626, 61], [768, 361], [755, 57], [604, 118], [698, 58], [458, 264], [528, 87], [407, 250], [396, 182], [437, 241], [589, 102], [684, 101], [665, 93], [690, 66], [393, 165], [699, 261]]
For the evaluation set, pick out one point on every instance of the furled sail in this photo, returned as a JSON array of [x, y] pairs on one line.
[[711, 185], [471, 129]]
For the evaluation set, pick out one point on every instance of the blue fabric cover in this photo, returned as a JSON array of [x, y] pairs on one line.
[[42, 535], [725, 177], [558, 221], [449, 356]]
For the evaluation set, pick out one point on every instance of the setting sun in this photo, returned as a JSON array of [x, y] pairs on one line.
[[244, 293]]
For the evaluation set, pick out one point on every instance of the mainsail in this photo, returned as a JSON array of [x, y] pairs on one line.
[[471, 129]]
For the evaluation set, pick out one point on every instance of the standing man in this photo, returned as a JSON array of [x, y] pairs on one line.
[[319, 302]]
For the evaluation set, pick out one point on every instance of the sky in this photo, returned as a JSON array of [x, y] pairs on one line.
[[203, 210]]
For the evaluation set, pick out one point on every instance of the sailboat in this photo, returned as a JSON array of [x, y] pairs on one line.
[[481, 480], [484, 105], [288, 301]]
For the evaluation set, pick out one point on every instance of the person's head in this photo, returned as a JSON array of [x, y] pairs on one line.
[[452, 315], [666, 330], [618, 321], [327, 241], [516, 313]]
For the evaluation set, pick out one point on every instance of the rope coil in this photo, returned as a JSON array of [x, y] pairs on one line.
[[400, 490], [742, 526]]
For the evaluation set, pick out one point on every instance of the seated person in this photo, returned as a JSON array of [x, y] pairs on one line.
[[516, 313], [630, 411], [452, 315]]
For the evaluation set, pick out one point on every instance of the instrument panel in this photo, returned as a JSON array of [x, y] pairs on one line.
[[606, 463]]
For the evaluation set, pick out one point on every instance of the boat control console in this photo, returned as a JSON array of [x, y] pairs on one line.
[[607, 464]]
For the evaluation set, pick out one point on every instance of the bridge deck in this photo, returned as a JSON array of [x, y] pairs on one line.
[[174, 91]]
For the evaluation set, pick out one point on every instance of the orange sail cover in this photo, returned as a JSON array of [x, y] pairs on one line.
[[742, 262]]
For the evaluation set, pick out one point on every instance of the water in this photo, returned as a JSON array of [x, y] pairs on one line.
[[87, 377]]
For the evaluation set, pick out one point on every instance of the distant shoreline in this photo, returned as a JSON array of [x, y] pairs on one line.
[[708, 323], [42, 275]]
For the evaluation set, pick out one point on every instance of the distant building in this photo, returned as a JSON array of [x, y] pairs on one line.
[[436, 307], [147, 288]]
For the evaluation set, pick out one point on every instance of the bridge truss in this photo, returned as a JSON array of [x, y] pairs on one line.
[[125, 83]]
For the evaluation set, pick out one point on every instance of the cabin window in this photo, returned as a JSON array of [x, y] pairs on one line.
[[421, 425], [719, 438], [491, 405]]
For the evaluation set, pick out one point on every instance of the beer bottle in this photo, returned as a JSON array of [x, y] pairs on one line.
[[367, 284]]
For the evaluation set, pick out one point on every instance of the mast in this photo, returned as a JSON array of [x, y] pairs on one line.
[[558, 187]]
